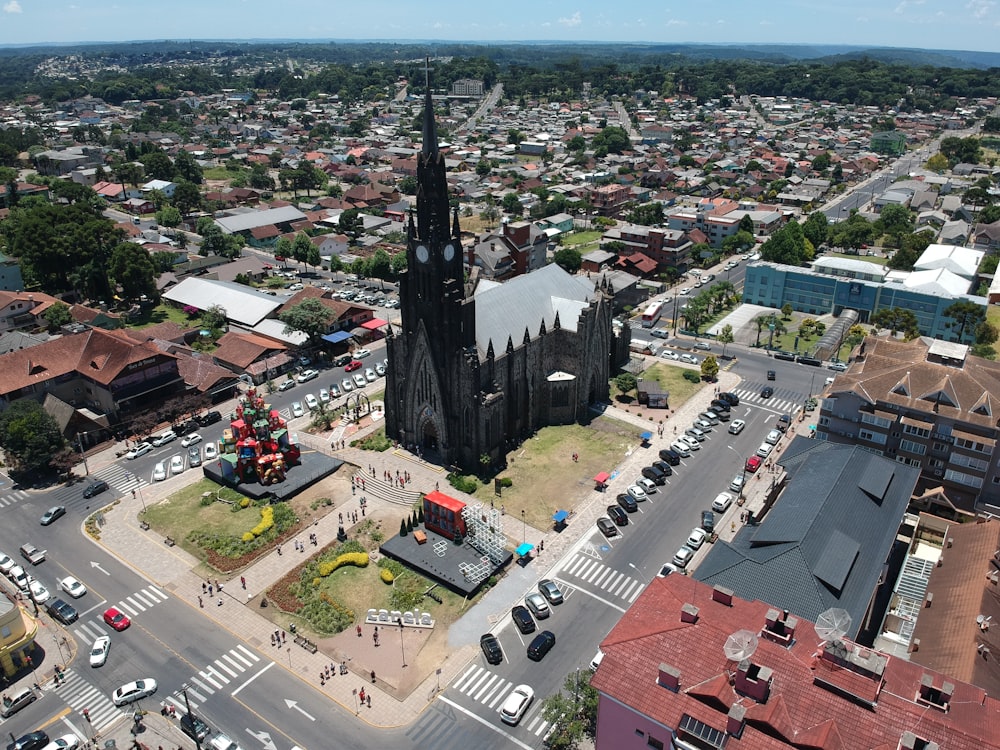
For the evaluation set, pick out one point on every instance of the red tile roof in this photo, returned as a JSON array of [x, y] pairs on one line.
[[241, 349], [801, 709]]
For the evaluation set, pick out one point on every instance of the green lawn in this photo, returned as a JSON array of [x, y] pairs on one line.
[[151, 316], [581, 238], [993, 316], [869, 258], [218, 173], [183, 513]]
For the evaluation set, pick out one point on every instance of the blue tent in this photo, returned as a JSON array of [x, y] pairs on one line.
[[524, 549]]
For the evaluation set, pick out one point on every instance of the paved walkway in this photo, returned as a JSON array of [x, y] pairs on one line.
[[240, 612]]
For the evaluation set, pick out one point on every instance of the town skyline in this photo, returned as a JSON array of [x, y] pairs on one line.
[[907, 24]]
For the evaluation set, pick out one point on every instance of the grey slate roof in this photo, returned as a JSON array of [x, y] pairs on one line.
[[825, 540], [506, 310], [253, 219]]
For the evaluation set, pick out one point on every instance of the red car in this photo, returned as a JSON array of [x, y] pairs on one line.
[[116, 619], [753, 463], [354, 364]]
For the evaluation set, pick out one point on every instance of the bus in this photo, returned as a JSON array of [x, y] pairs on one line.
[[652, 314]]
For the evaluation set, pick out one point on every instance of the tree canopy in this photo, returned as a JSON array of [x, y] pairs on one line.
[[788, 245], [310, 317], [29, 435]]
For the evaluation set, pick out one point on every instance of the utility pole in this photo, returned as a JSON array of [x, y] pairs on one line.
[[79, 443]]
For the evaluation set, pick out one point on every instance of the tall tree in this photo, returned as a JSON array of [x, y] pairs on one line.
[[187, 197], [301, 247], [133, 269], [726, 337], [310, 316], [967, 316], [29, 435]]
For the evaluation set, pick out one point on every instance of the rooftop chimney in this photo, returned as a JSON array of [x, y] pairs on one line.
[[779, 627], [669, 677], [689, 613], [735, 720], [753, 681], [722, 595]]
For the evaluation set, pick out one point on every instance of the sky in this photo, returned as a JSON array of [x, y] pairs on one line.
[[921, 24]]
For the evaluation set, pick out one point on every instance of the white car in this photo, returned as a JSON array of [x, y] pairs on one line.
[[286, 386], [296, 287], [297, 410], [99, 651], [133, 691], [690, 442], [306, 375], [370, 375], [683, 557], [66, 742], [177, 464], [347, 384], [722, 502], [361, 353], [765, 450], [6, 563], [359, 380], [703, 424], [737, 484], [334, 390], [222, 742], [637, 493], [773, 437], [685, 290], [160, 471], [838, 367], [38, 592], [140, 450], [682, 449], [193, 439], [72, 587], [696, 538], [164, 438], [736, 426], [392, 304], [324, 396], [689, 358], [211, 452], [380, 369], [515, 704], [694, 432], [670, 354], [312, 402], [667, 569]]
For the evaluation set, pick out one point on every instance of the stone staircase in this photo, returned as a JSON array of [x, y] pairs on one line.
[[377, 487]]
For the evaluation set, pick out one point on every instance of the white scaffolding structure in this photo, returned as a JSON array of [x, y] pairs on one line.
[[484, 532]]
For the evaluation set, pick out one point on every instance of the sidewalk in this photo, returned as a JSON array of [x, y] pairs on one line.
[[240, 613]]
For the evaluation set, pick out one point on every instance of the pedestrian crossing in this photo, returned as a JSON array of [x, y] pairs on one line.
[[784, 401], [122, 478], [132, 605], [12, 497], [214, 677], [490, 689], [591, 571], [80, 695]]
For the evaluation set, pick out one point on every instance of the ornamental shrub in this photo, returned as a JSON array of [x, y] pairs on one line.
[[386, 575]]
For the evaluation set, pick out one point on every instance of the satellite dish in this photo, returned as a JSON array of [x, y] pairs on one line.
[[833, 624], [740, 645]]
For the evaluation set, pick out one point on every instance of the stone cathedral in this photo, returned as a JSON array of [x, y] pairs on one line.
[[475, 368]]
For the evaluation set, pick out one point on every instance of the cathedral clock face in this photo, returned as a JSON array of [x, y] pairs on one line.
[[422, 254], [449, 251]]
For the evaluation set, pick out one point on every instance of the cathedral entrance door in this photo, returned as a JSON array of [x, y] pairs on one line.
[[429, 436]]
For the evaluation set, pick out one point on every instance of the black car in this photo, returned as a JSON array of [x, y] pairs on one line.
[[523, 619], [541, 645], [708, 521], [183, 428], [209, 417], [654, 475], [784, 421], [491, 648], [766, 392], [29, 741], [342, 360], [194, 727], [670, 456], [663, 466], [771, 375], [627, 502], [619, 516], [95, 488], [732, 398], [719, 406], [62, 611], [607, 528]]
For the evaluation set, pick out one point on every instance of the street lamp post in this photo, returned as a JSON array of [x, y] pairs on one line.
[[524, 528], [402, 649], [79, 442]]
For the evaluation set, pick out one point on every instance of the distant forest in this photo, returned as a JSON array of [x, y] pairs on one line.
[[899, 79]]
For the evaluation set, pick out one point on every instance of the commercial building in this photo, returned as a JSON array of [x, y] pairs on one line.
[[927, 404]]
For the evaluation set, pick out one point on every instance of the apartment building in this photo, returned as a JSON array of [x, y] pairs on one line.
[[925, 403]]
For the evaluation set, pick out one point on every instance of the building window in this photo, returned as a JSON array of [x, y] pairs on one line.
[[654, 743], [978, 464], [940, 448], [911, 447], [639, 733], [907, 461], [824, 421], [962, 478], [872, 437], [882, 422], [918, 431], [972, 445]]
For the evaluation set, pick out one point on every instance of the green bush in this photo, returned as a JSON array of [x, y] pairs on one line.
[[463, 483], [395, 566], [506, 482], [692, 376], [386, 575]]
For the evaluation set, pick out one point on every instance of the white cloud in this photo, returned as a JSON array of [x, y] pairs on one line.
[[980, 8], [573, 20], [12, 7], [905, 4], [676, 22]]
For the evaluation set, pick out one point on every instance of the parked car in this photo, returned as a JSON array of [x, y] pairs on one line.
[[324, 396], [627, 502], [176, 464], [99, 651], [311, 402], [708, 521], [194, 727], [53, 513], [681, 449], [335, 391], [297, 410], [72, 587], [359, 380], [370, 375], [95, 488], [306, 375], [211, 452], [361, 353], [516, 704], [194, 456], [664, 467], [637, 493], [668, 568], [551, 591], [753, 463], [671, 456], [209, 418], [380, 369], [6, 563], [606, 527], [286, 385], [683, 557], [783, 423], [765, 450], [522, 619], [670, 354], [163, 438], [38, 592], [30, 741], [732, 398], [160, 471], [140, 450], [541, 645], [736, 426], [537, 604], [13, 703], [691, 443], [694, 432], [838, 367], [773, 437], [619, 516], [689, 358], [704, 345], [708, 416], [737, 484], [696, 538], [133, 691], [354, 364], [646, 485], [720, 406], [347, 384], [62, 611], [491, 648], [654, 475], [722, 502], [342, 360]]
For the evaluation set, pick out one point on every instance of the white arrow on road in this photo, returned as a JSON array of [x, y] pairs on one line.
[[264, 737], [295, 705], [98, 567]]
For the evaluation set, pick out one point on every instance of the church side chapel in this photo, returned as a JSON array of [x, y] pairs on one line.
[[477, 367]]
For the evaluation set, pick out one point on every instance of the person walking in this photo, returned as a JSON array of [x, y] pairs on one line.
[[201, 604], [243, 583]]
